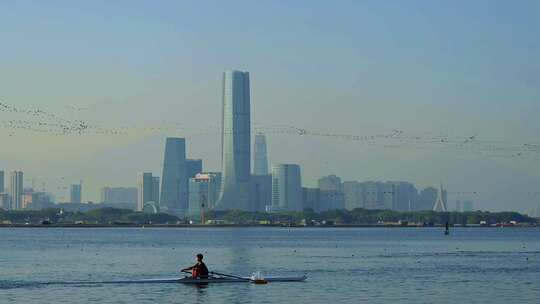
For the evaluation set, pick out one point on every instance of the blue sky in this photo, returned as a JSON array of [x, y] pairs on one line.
[[458, 68]]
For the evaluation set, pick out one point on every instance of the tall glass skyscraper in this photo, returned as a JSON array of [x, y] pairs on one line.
[[286, 188], [155, 189], [174, 181], [260, 158], [193, 167], [1, 181], [16, 189], [235, 142], [144, 189]]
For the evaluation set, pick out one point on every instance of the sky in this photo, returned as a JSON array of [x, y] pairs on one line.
[[458, 80]]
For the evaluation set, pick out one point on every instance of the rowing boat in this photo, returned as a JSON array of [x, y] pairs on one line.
[[220, 279]]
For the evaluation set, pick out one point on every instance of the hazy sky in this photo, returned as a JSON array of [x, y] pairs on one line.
[[431, 69]]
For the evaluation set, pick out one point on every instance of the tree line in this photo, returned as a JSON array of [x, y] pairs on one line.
[[113, 216]]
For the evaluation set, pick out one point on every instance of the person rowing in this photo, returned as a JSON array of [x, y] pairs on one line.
[[199, 270]]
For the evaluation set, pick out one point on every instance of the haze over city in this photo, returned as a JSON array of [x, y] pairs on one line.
[[368, 91]]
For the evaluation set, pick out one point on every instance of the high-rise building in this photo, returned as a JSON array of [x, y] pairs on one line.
[[458, 206], [2, 181], [392, 195], [331, 200], [35, 200], [286, 188], [371, 193], [75, 192], [120, 197], [235, 142], [203, 192], [330, 183], [174, 182], [198, 195], [426, 198], [144, 189], [331, 193], [260, 157], [468, 206], [261, 192], [193, 167], [404, 195], [311, 198], [155, 189], [389, 195], [352, 191], [214, 185], [16, 189], [4, 201]]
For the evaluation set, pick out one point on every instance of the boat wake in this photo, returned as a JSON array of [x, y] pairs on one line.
[[177, 280], [18, 284]]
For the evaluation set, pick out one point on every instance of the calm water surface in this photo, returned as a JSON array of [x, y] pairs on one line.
[[350, 265]]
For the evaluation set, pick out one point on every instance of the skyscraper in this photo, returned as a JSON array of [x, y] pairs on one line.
[[458, 206], [75, 192], [311, 198], [404, 195], [155, 189], [4, 201], [426, 198], [193, 167], [4, 197], [198, 195], [468, 206], [261, 192], [1, 181], [174, 181], [260, 157], [120, 197], [16, 189], [371, 194], [331, 193], [352, 193], [235, 142], [286, 188], [144, 189]]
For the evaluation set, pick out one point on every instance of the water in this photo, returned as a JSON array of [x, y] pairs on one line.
[[349, 265]]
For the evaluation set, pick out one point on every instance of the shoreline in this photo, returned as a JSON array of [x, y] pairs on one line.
[[144, 226]]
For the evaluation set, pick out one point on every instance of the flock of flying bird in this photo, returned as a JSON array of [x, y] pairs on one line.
[[40, 121]]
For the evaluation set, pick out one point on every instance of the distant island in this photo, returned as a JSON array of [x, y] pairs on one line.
[[112, 217]]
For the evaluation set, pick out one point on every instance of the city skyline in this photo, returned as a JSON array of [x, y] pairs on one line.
[[428, 71], [186, 189]]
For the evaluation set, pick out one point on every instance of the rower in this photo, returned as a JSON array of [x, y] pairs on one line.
[[199, 270]]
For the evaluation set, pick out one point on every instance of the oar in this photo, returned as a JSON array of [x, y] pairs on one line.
[[230, 276], [257, 281]]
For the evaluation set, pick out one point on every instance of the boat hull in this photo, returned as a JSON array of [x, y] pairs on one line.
[[189, 280]]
